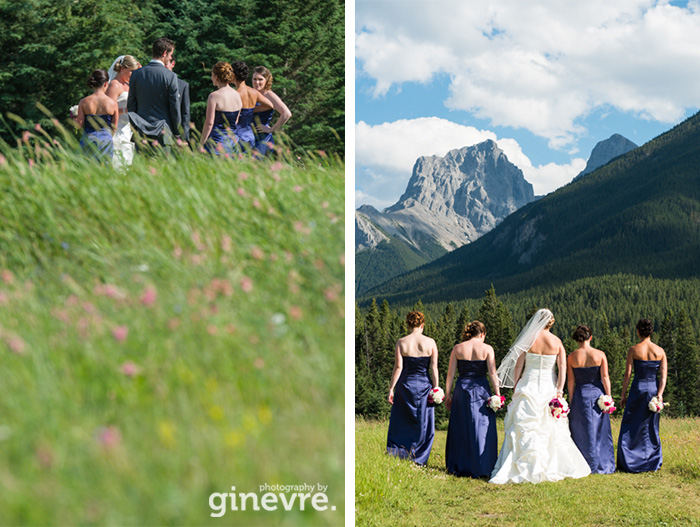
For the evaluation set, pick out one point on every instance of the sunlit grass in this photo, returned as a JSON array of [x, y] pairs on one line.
[[390, 491], [168, 332]]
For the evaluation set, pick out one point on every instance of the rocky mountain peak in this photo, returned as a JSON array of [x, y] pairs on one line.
[[605, 151]]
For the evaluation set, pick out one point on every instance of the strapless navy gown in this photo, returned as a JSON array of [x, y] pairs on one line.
[[244, 129], [590, 427], [97, 137], [472, 440], [639, 446], [222, 139], [412, 423], [263, 140]]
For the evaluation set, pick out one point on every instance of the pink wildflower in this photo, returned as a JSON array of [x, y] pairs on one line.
[[276, 166], [212, 329], [7, 276], [226, 244], [173, 323], [242, 176], [152, 170], [259, 363], [120, 333], [246, 284], [37, 127], [297, 188], [241, 192], [130, 369], [25, 136], [177, 252], [3, 160], [16, 344], [149, 296], [295, 312], [31, 163], [257, 253], [109, 437], [256, 203], [325, 205]]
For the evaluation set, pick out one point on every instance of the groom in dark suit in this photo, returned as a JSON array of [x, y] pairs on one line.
[[154, 99]]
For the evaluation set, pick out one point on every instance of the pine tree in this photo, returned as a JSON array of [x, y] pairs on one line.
[[688, 358]]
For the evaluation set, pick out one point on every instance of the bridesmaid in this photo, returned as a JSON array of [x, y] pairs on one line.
[[251, 99], [587, 377], [262, 81], [412, 423], [472, 440], [99, 117], [639, 445]]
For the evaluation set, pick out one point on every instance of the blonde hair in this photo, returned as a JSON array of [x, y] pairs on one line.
[[129, 62], [473, 329]]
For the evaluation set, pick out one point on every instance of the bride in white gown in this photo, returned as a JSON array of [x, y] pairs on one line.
[[537, 446], [118, 89]]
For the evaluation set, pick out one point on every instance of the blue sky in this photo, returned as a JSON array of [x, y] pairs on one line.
[[546, 79]]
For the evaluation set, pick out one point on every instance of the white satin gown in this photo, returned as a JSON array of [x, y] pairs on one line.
[[123, 147], [537, 446]]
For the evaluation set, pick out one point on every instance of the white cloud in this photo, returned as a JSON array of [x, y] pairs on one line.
[[540, 65], [385, 155]]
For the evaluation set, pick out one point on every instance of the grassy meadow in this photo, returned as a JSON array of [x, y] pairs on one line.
[[390, 491], [168, 332]]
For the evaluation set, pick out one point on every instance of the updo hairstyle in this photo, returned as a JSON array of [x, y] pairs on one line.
[[550, 323], [473, 329], [97, 79], [645, 327], [223, 71], [129, 62], [415, 319], [240, 70], [581, 333], [265, 73]]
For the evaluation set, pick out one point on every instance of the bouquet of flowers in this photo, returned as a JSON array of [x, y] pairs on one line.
[[559, 407], [655, 405], [435, 396], [496, 402], [74, 111], [606, 403]]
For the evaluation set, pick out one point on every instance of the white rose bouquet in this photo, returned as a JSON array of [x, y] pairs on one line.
[[74, 111], [436, 396], [606, 404], [655, 405], [496, 402]]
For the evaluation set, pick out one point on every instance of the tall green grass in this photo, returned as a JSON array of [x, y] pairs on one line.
[[167, 332], [391, 491]]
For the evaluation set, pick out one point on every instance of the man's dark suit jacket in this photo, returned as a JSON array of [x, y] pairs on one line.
[[184, 90], [154, 103]]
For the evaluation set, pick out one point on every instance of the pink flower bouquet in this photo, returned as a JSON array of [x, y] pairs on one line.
[[606, 404], [559, 407], [435, 396], [496, 402]]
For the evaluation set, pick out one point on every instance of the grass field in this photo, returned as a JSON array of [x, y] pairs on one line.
[[166, 333], [390, 491]]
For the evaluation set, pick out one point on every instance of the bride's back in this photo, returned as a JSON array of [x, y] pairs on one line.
[[546, 344]]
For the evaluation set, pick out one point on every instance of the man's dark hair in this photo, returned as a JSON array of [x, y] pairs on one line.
[[161, 46]]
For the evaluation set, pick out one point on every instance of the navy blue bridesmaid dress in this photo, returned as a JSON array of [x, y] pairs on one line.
[[589, 425], [222, 138], [472, 440], [97, 137], [639, 446], [412, 423], [244, 129], [264, 140]]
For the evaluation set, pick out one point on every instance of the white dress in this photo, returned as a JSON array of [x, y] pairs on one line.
[[123, 147], [537, 446]]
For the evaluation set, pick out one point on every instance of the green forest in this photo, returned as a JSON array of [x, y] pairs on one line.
[[50, 47], [609, 305]]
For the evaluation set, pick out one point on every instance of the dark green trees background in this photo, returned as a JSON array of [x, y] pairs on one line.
[[48, 48], [589, 301]]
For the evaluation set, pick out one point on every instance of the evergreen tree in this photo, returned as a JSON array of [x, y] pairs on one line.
[[498, 322], [688, 358]]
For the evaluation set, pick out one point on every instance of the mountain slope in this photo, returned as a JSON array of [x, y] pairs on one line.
[[639, 214]]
